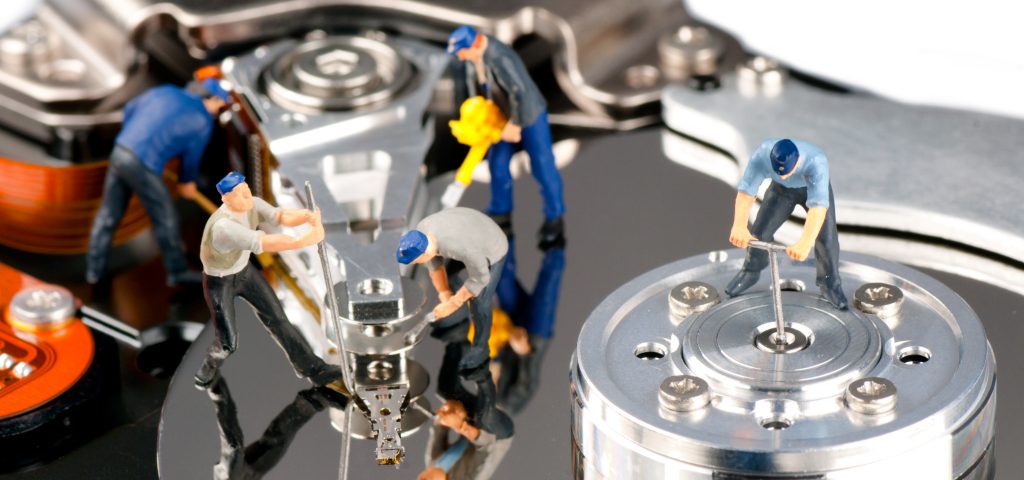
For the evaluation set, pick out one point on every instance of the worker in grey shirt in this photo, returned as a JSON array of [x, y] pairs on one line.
[[470, 237], [231, 234]]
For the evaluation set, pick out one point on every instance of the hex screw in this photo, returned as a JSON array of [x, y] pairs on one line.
[[690, 50], [881, 299], [688, 298], [871, 395], [684, 393], [760, 76]]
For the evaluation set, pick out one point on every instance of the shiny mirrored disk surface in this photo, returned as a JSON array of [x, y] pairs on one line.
[[629, 210]]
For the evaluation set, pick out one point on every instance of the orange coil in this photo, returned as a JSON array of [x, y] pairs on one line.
[[50, 209]]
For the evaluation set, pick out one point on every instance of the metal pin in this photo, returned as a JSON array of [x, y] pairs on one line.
[[780, 324], [332, 303]]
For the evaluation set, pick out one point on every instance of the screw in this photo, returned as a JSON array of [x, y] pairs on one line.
[[688, 298], [881, 299], [639, 77], [6, 361], [871, 395], [760, 76], [42, 308], [684, 393], [22, 370], [690, 50]]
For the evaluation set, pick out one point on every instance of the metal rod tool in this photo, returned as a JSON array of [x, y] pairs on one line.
[[780, 324]]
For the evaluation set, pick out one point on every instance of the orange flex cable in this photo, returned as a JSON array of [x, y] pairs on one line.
[[50, 208]]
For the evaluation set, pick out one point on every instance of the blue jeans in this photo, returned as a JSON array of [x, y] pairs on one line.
[[127, 175], [533, 311], [536, 140], [776, 208]]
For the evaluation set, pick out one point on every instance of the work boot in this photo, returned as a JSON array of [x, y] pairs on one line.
[[551, 234], [835, 296], [741, 282]]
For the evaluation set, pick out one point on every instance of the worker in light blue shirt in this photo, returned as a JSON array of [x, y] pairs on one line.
[[162, 123], [798, 171]]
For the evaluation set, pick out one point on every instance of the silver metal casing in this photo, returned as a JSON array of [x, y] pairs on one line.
[[908, 394]]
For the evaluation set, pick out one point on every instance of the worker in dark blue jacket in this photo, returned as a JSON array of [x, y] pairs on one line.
[[162, 123], [492, 67]]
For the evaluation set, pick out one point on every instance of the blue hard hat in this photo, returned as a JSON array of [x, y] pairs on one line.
[[411, 246], [462, 37], [212, 85], [229, 182], [784, 156]]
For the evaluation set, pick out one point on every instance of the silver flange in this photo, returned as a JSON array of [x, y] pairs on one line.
[[704, 397], [337, 73]]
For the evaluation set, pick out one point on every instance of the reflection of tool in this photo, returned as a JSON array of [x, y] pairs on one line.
[[332, 304], [479, 126], [779, 337]]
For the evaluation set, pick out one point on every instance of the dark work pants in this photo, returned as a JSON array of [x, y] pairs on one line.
[[127, 175], [481, 311], [776, 208], [238, 462], [251, 286], [482, 407]]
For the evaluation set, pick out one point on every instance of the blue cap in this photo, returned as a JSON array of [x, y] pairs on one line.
[[212, 85], [411, 246], [784, 156], [462, 37], [229, 182]]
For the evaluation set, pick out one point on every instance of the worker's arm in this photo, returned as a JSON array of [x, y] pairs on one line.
[[812, 226], [439, 277], [293, 217], [277, 242], [740, 235]]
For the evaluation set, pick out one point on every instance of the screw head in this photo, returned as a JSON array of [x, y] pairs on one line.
[[881, 299], [760, 76], [42, 308], [690, 50], [684, 393], [871, 395], [688, 298]]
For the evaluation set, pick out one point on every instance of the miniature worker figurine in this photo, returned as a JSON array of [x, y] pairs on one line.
[[162, 123], [799, 176], [474, 456], [470, 237], [500, 73], [229, 237]]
